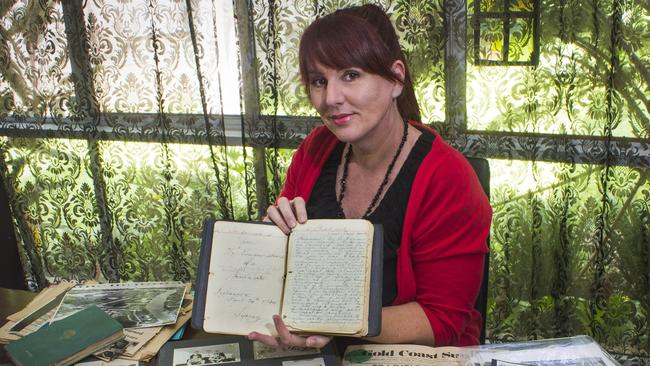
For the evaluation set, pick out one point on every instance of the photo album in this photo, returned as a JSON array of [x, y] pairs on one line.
[[324, 277], [239, 351]]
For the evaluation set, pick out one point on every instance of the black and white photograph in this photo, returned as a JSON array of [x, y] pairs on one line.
[[117, 362], [262, 351], [134, 305], [319, 361], [207, 355], [113, 351]]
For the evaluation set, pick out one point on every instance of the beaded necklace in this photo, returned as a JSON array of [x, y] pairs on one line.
[[375, 199]]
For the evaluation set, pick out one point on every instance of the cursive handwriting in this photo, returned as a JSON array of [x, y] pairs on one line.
[[327, 279], [246, 277]]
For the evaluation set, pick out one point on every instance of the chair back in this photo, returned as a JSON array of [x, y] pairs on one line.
[[482, 169]]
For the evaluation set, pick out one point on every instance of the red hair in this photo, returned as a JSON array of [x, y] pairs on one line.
[[362, 37]]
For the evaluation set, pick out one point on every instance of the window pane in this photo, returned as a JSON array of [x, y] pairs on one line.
[[34, 76], [521, 5], [521, 44], [124, 64], [491, 5], [491, 40]]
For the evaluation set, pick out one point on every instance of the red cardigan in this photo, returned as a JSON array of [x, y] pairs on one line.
[[441, 255]]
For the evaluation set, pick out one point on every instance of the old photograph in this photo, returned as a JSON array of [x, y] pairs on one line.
[[319, 361], [134, 305], [207, 355], [262, 351]]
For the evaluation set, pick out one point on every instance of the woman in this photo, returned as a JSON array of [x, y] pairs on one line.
[[373, 160]]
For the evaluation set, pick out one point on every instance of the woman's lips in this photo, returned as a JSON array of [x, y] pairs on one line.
[[341, 119]]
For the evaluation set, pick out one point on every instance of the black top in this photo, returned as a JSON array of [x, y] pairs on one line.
[[389, 212]]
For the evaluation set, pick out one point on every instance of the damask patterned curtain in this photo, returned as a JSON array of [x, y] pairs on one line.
[[571, 192], [126, 123], [114, 113]]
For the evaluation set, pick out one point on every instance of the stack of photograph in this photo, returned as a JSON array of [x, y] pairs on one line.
[[150, 313]]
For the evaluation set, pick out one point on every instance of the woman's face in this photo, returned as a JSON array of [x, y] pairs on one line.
[[353, 103]]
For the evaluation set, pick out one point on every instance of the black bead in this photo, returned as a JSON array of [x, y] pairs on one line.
[[384, 182]]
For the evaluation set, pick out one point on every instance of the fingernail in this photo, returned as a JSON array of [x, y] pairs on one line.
[[251, 336]]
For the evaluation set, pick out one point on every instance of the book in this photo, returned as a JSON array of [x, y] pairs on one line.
[[324, 277], [239, 351], [67, 340], [571, 351]]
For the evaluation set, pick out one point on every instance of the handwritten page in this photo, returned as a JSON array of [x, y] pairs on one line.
[[328, 276], [246, 278]]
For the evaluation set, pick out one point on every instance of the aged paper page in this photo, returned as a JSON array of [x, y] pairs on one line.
[[151, 348], [134, 339], [580, 350], [246, 278], [328, 276], [404, 355]]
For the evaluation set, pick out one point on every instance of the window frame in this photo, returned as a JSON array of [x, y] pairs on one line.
[[506, 16]]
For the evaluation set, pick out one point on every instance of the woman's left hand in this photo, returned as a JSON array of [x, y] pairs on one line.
[[287, 339]]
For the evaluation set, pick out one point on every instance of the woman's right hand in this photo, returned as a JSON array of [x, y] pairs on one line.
[[286, 214]]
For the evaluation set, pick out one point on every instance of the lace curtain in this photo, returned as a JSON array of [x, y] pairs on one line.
[[125, 123]]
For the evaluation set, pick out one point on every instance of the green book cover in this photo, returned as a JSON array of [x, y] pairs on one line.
[[67, 340]]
